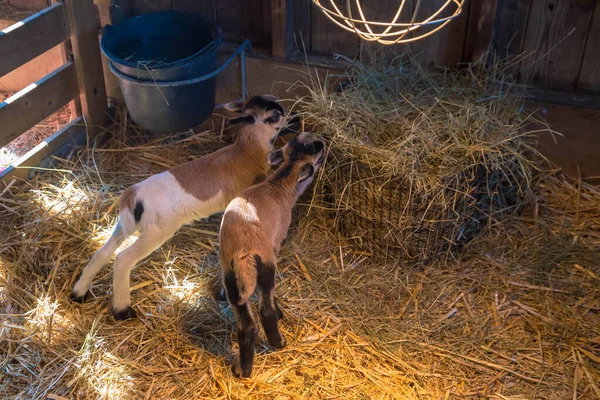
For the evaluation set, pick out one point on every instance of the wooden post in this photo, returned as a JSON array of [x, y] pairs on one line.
[[65, 52], [88, 63], [282, 27]]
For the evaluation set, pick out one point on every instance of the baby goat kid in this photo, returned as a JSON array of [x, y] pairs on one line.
[[161, 204], [253, 228]]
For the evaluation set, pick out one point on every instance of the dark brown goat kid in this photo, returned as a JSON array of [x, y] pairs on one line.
[[252, 230]]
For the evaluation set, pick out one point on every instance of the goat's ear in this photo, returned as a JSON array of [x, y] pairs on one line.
[[234, 106], [246, 118], [275, 157], [306, 172]]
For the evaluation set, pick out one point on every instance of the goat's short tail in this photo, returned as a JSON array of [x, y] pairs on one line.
[[245, 269], [130, 211]]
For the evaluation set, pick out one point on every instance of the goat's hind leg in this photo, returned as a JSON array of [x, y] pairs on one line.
[[126, 260], [268, 308], [80, 291], [246, 329]]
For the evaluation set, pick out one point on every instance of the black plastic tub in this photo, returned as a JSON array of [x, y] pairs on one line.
[[165, 63]]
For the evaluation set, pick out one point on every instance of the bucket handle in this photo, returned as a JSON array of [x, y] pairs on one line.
[[240, 51]]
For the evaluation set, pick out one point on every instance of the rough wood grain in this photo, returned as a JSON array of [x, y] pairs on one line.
[[31, 37], [88, 63], [328, 38], [301, 11], [480, 29], [282, 27], [208, 8], [555, 39], [119, 11], [37, 101], [445, 47], [65, 52], [139, 7], [511, 25], [241, 19], [589, 76]]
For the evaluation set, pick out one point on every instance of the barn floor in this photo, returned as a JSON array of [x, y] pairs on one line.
[[576, 152], [515, 316]]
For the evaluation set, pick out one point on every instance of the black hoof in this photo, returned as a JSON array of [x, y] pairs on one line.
[[80, 299], [238, 372], [127, 313], [279, 343]]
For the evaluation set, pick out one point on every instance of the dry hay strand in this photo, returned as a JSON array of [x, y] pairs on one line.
[[515, 316], [419, 163]]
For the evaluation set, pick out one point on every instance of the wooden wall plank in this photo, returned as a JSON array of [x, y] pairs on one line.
[[37, 101], [480, 29], [555, 39], [27, 39], [511, 25], [88, 63], [208, 8], [328, 38], [59, 145], [139, 7], [589, 76], [267, 28], [241, 19], [112, 12], [282, 27], [301, 11], [445, 47], [119, 11]]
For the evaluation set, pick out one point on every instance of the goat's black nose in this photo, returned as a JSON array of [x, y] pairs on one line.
[[318, 146]]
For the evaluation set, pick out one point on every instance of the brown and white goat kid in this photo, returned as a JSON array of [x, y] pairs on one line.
[[253, 228], [158, 206]]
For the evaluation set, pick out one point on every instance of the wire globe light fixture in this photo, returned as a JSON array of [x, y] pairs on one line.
[[390, 32]]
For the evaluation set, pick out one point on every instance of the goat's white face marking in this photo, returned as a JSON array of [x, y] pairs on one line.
[[244, 209]]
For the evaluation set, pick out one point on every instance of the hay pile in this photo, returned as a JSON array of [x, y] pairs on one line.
[[517, 315], [420, 163]]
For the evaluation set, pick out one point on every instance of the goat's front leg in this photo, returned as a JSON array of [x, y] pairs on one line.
[[125, 261], [269, 311], [81, 289]]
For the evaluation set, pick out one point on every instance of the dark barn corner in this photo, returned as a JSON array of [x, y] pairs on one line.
[[299, 199]]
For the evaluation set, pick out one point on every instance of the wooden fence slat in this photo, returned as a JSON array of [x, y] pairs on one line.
[[242, 19], [37, 101], [27, 39], [208, 8], [589, 77], [81, 15], [282, 27], [328, 38], [59, 144], [445, 47], [480, 30], [555, 39], [301, 11], [139, 7], [511, 25]]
